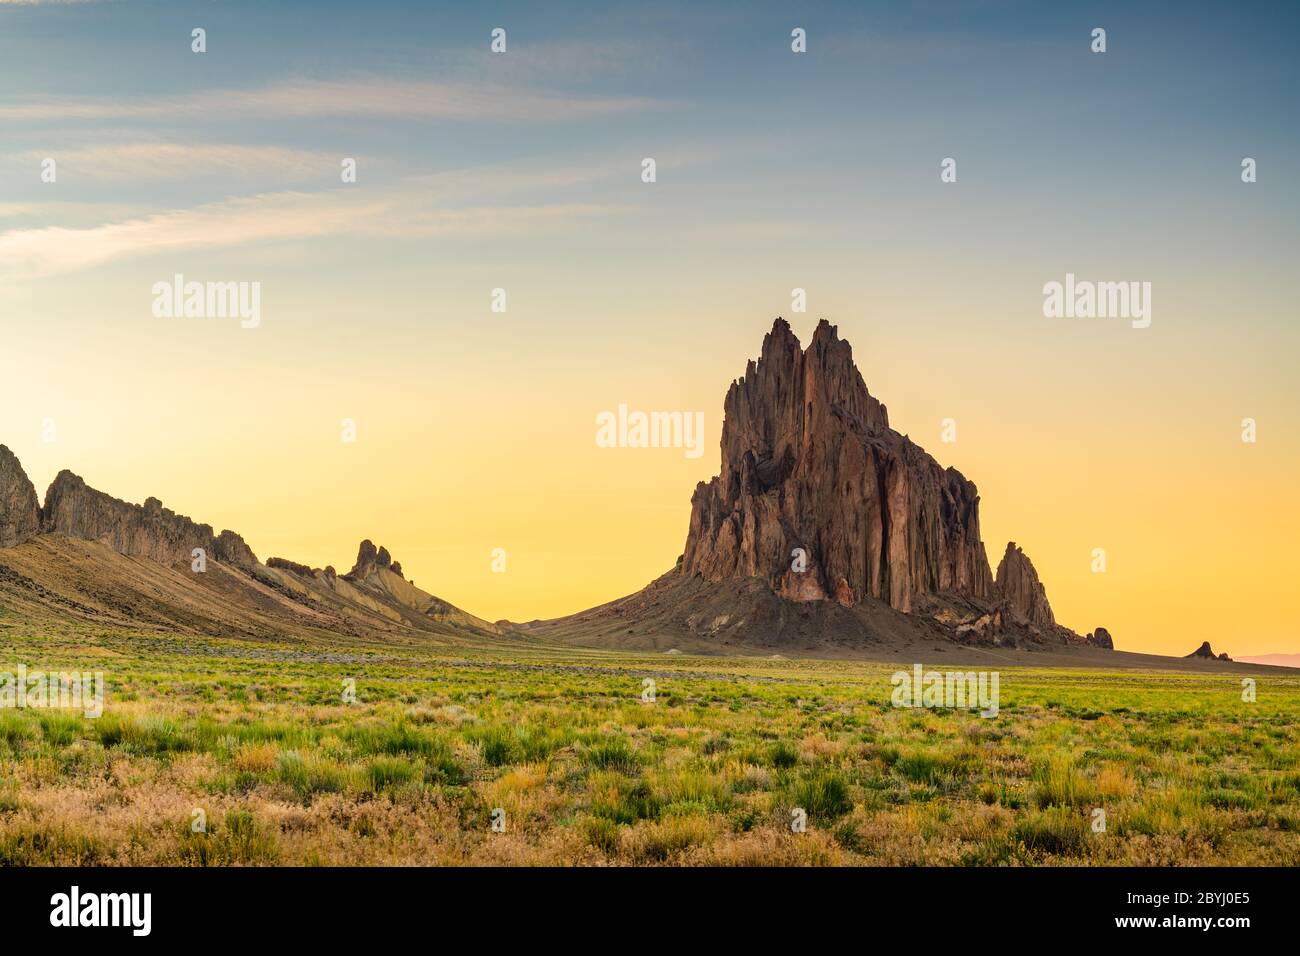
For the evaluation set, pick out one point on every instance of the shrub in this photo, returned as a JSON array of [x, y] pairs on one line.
[[1058, 783], [60, 729], [783, 755], [237, 839], [1056, 830], [612, 753], [308, 776], [823, 795], [386, 772], [602, 833]]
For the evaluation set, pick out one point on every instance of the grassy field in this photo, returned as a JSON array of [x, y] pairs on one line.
[[285, 772]]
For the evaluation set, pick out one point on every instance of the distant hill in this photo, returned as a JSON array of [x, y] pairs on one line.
[[1273, 660], [88, 557]]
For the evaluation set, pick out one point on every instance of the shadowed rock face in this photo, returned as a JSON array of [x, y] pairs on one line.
[[232, 549], [1018, 583], [1207, 652], [370, 559], [20, 509], [809, 461], [149, 531], [1101, 638]]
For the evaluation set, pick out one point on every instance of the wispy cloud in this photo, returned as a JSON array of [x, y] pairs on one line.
[[513, 199], [315, 98], [33, 253], [163, 160], [461, 205]]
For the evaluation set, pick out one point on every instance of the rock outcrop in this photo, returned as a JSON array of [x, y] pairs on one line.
[[1100, 638], [811, 467], [232, 549], [1207, 652], [20, 509], [1017, 583], [150, 531], [284, 564], [371, 559]]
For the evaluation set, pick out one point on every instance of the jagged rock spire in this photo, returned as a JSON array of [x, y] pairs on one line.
[[809, 462], [370, 559], [1018, 583]]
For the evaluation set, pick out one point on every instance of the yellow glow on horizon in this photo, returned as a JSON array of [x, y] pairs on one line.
[[485, 438]]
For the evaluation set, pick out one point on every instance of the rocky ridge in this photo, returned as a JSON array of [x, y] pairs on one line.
[[374, 594], [148, 530]]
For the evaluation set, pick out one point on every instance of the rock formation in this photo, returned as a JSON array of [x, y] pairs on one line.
[[284, 564], [1207, 652], [1018, 584], [823, 502], [20, 509], [1100, 638], [232, 549], [370, 559], [149, 531], [809, 462]]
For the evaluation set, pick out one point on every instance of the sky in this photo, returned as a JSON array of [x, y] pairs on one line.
[[523, 171]]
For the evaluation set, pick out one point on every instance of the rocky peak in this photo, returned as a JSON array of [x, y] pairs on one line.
[[1207, 652], [20, 509], [783, 402], [1018, 583], [371, 559], [809, 462], [149, 530]]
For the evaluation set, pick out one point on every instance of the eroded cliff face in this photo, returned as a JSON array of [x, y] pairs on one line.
[[809, 462], [1018, 584], [150, 531], [20, 510], [371, 559]]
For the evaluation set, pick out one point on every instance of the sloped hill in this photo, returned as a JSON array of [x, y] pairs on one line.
[[86, 557], [53, 581]]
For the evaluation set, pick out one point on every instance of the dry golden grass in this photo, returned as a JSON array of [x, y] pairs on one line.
[[285, 773]]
